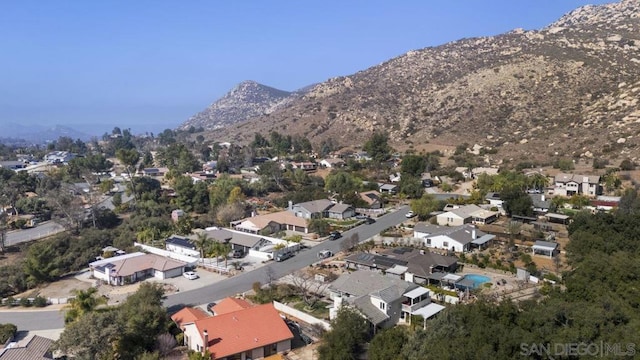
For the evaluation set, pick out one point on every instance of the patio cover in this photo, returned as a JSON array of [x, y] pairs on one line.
[[545, 245], [429, 310], [397, 270], [416, 292], [483, 239], [557, 216]]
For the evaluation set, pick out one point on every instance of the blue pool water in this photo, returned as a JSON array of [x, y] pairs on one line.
[[477, 279]]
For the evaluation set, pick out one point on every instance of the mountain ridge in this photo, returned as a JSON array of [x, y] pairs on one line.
[[569, 89]]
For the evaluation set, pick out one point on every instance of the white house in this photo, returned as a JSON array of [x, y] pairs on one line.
[[458, 215], [456, 238], [181, 245], [129, 268], [332, 162]]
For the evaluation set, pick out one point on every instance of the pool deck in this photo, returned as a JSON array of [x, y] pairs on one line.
[[494, 275]]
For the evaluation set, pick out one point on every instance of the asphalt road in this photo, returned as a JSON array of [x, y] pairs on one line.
[[44, 229], [243, 282], [43, 320]]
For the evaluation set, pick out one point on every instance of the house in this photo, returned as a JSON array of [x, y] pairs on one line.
[[458, 215], [494, 199], [202, 176], [323, 208], [456, 238], [484, 217], [305, 165], [154, 172], [210, 166], [177, 214], [34, 347], [254, 245], [388, 188], [362, 156], [273, 222], [408, 264], [574, 184], [384, 301], [541, 204], [332, 163], [59, 157], [606, 203], [250, 333], [372, 198], [13, 165], [188, 315], [229, 305], [395, 178], [341, 212], [129, 268], [181, 245], [316, 209]]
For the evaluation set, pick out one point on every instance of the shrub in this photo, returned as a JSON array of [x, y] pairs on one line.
[[10, 302], [25, 302], [7, 331], [39, 301]]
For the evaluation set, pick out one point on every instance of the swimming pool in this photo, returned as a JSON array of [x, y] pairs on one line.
[[477, 279]]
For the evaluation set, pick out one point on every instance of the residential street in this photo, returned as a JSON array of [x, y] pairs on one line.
[[44, 319], [44, 229]]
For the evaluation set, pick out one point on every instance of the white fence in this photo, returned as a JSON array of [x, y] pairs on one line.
[[190, 260], [301, 315]]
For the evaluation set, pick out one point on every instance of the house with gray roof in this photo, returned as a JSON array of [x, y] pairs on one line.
[[323, 208], [384, 301], [541, 204], [574, 184], [454, 238], [456, 215], [405, 263], [31, 348]]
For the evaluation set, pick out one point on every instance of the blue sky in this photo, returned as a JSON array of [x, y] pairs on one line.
[[149, 65]]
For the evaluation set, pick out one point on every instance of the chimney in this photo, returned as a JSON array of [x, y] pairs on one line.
[[290, 205], [542, 197], [205, 338]]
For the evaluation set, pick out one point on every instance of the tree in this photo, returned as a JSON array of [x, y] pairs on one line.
[[93, 336], [425, 205], [350, 243], [348, 334], [194, 355], [3, 232], [319, 226], [388, 343], [627, 165], [411, 186], [220, 249], [129, 158], [227, 213], [516, 201], [340, 182], [309, 289], [7, 331], [83, 302], [413, 165], [378, 147], [202, 243]]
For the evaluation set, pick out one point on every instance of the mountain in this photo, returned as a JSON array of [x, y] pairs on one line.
[[569, 89], [247, 100], [37, 134]]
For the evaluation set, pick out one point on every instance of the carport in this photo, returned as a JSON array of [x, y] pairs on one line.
[[482, 241], [545, 248]]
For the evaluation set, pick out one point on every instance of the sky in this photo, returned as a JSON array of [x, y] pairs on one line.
[[149, 65]]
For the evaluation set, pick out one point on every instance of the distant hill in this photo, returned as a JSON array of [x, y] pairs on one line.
[[33, 134], [570, 89], [247, 100]]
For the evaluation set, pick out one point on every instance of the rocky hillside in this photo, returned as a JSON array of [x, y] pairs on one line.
[[248, 99], [570, 89]]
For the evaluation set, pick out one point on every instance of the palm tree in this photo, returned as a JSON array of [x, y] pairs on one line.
[[85, 301], [202, 242]]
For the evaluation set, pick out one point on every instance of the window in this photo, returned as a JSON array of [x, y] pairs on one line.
[[445, 243], [428, 241], [382, 305]]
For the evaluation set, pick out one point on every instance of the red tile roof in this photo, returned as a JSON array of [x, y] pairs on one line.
[[243, 330], [188, 315], [230, 305]]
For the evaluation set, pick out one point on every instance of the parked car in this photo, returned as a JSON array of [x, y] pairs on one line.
[[367, 219], [323, 254], [190, 275], [410, 214], [210, 307], [335, 235], [283, 256]]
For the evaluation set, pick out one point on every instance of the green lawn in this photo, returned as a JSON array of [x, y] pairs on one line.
[[319, 310]]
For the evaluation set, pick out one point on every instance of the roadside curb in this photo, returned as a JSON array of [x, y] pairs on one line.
[[56, 307]]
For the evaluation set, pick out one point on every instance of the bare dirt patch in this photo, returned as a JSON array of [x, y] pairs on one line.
[[59, 289]]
